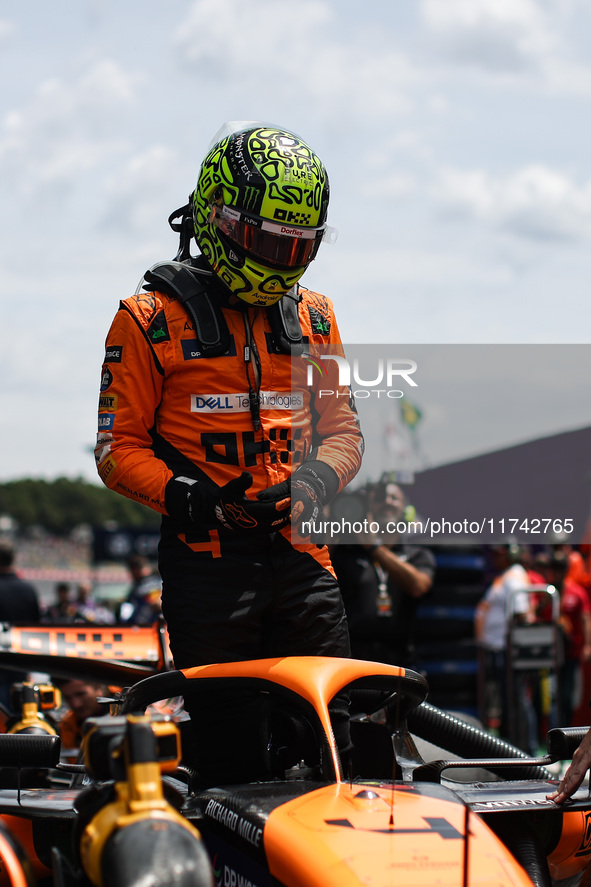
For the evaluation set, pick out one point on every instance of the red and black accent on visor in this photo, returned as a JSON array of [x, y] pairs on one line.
[[277, 243]]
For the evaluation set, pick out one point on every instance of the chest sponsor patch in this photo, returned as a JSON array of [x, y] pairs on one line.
[[192, 349], [286, 401]]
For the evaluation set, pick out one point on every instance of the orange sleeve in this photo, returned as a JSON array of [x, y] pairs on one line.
[[131, 386]]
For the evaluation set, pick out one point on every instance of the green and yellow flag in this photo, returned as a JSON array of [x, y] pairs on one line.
[[410, 413]]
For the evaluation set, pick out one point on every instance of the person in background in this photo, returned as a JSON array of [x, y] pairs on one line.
[[63, 610], [88, 609], [84, 602], [579, 569], [139, 568], [506, 599], [82, 698], [581, 762], [19, 600], [545, 689], [535, 566], [383, 580], [19, 603], [575, 622], [148, 607]]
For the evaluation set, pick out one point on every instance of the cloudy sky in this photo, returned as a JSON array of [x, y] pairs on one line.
[[455, 132]]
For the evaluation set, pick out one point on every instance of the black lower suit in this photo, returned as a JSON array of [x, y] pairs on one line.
[[260, 598]]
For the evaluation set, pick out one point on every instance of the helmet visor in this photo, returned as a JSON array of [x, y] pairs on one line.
[[289, 246]]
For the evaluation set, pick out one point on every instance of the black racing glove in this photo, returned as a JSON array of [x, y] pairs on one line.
[[311, 486], [207, 504], [240, 513], [187, 499]]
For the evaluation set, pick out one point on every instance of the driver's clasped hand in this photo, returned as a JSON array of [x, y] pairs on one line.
[[208, 504], [236, 512], [310, 487], [298, 500]]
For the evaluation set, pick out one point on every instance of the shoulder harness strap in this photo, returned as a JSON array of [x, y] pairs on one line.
[[285, 323], [185, 284]]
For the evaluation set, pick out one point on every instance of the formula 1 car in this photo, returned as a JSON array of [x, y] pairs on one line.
[[136, 813]]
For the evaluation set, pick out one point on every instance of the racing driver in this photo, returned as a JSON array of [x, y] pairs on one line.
[[200, 419]]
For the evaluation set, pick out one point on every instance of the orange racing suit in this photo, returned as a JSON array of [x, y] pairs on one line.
[[166, 410]]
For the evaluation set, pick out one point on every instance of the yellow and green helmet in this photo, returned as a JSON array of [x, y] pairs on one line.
[[259, 210]]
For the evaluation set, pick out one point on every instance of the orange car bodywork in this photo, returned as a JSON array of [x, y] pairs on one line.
[[383, 837], [131, 643], [21, 829]]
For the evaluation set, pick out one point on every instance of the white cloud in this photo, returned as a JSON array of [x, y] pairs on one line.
[[568, 77], [60, 132], [390, 187], [521, 20], [306, 59], [249, 35], [7, 30], [495, 34], [534, 41], [134, 192], [535, 202]]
